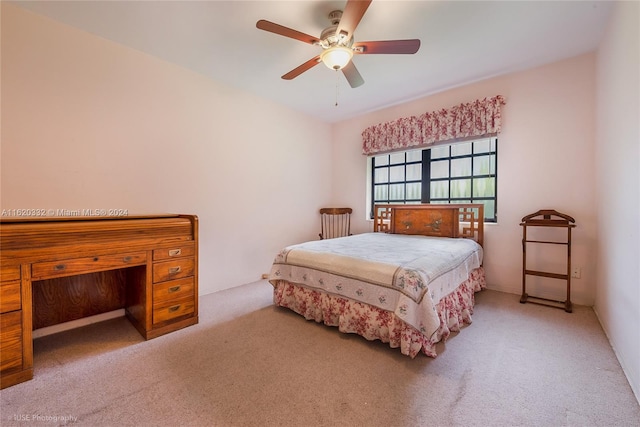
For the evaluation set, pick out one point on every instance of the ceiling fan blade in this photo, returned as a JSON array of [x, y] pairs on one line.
[[287, 32], [387, 46], [353, 75], [353, 13], [302, 68]]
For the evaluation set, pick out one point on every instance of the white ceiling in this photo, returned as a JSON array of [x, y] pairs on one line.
[[462, 42]]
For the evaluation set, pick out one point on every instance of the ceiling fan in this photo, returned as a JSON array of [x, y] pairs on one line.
[[338, 45]]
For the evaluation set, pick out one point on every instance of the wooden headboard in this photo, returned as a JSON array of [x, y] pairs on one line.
[[440, 220]]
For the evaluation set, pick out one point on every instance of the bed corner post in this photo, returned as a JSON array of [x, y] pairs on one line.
[[381, 218], [481, 225]]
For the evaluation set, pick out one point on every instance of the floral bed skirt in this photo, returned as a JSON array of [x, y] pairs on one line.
[[373, 323]]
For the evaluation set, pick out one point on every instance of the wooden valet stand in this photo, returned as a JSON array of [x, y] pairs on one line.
[[547, 218]]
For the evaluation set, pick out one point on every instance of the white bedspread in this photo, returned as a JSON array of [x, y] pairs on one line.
[[407, 275]]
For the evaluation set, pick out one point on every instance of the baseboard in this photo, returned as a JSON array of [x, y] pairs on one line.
[[634, 387]]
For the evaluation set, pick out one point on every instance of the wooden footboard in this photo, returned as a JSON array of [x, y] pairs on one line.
[[439, 220]]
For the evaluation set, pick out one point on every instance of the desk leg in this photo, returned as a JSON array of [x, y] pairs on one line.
[[27, 320]]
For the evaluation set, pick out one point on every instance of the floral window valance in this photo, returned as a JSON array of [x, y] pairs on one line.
[[474, 119]]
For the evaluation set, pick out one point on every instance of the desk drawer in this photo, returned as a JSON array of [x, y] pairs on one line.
[[10, 296], [11, 340], [9, 273], [70, 267], [172, 309], [166, 292], [177, 251], [174, 269]]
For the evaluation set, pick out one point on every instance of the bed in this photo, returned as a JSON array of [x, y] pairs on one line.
[[409, 283]]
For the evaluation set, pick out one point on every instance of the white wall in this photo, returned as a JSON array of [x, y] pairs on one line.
[[618, 184], [545, 161], [87, 123]]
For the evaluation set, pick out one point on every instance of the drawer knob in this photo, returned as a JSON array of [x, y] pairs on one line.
[[174, 270], [174, 289], [174, 308], [59, 267], [127, 258], [175, 252]]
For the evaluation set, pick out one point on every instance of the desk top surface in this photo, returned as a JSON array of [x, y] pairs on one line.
[[20, 219]]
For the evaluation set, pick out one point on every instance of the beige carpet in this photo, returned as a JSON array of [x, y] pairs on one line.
[[248, 363]]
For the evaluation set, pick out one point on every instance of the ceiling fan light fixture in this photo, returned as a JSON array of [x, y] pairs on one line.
[[336, 57]]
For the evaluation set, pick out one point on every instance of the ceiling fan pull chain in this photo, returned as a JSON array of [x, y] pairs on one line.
[[337, 79]]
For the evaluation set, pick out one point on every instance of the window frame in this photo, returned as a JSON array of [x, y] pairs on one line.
[[426, 163]]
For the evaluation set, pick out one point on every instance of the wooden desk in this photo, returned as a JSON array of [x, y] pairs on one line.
[[55, 270]]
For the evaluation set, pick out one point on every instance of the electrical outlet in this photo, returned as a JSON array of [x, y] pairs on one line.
[[576, 272]]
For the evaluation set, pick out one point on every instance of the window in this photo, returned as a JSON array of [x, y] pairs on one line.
[[464, 172]]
